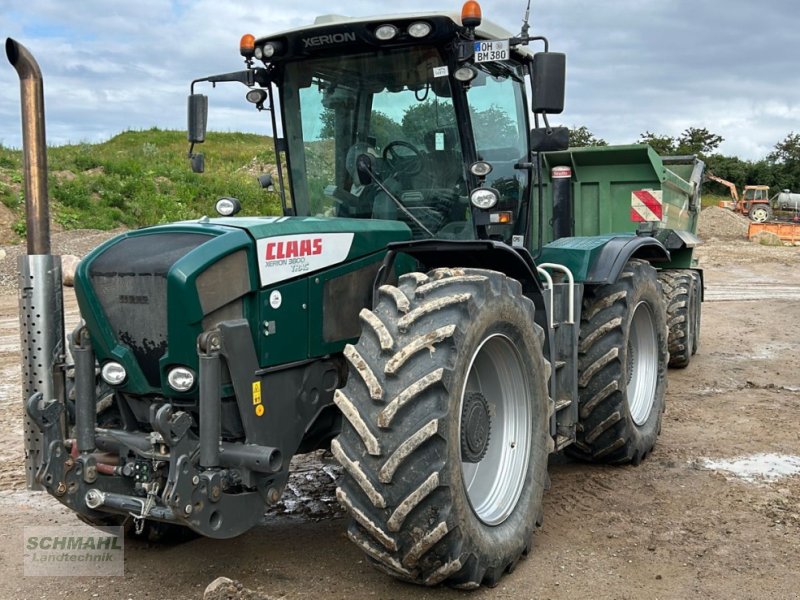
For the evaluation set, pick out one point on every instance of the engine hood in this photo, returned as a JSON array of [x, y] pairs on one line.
[[290, 246]]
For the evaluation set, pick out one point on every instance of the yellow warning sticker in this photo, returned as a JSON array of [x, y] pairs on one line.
[[256, 392], [259, 410]]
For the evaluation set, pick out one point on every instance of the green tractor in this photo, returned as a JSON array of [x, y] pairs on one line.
[[450, 297]]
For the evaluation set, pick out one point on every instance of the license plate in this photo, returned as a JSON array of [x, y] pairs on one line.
[[491, 51]]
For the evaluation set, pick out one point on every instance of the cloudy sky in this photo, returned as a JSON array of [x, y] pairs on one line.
[[633, 65]]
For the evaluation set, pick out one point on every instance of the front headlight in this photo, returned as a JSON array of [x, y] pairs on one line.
[[484, 198], [180, 379]]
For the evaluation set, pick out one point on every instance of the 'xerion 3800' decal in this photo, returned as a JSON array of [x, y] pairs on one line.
[[287, 256]]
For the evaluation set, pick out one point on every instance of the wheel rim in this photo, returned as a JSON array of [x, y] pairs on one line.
[[642, 364], [759, 215], [497, 373]]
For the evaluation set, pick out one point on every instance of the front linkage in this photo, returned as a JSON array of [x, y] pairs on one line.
[[170, 474]]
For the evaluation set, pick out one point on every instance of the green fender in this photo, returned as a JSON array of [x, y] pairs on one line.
[[600, 259]]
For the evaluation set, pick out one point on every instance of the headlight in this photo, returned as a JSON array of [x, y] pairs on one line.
[[227, 207], [480, 168], [484, 198], [386, 32], [419, 29], [113, 373], [180, 379], [465, 74], [268, 50]]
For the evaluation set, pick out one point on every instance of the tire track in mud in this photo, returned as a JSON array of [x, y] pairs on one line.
[[751, 291]]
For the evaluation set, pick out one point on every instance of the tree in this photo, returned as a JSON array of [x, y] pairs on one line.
[[662, 144], [697, 140], [581, 137], [785, 160], [787, 151]]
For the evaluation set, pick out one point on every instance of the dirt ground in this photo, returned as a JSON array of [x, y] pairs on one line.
[[669, 528]]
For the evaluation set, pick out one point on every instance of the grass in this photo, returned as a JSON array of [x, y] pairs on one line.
[[712, 200], [140, 178]]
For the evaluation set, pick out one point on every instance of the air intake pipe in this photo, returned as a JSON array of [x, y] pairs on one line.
[[41, 301]]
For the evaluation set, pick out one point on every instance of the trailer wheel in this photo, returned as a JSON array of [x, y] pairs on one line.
[[759, 213], [680, 296], [622, 361], [445, 437]]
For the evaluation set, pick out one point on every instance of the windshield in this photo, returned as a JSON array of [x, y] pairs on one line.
[[394, 108]]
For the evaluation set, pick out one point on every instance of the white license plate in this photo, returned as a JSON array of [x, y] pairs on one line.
[[491, 51]]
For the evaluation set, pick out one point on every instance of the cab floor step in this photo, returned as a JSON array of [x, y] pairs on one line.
[[562, 441], [562, 403]]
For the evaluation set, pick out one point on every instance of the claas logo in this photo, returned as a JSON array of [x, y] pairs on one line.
[[294, 248]]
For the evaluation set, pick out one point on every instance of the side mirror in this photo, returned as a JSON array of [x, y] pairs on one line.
[[198, 118], [198, 162], [548, 75], [549, 139], [265, 181]]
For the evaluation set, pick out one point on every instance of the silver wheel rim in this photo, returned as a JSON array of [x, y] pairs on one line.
[[494, 484], [759, 215], [642, 364]]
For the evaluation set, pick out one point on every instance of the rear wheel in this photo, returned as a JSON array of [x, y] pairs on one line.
[[445, 436], [680, 296], [760, 213], [622, 361]]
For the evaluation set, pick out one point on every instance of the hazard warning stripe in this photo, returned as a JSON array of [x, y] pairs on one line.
[[646, 205]]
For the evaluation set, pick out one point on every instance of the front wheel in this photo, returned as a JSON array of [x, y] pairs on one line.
[[445, 437], [622, 362]]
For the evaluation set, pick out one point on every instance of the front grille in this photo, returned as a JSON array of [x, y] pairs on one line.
[[130, 281]]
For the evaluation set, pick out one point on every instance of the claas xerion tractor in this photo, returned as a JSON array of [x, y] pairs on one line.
[[450, 296]]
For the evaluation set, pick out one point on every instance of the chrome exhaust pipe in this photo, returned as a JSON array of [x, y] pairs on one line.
[[34, 146], [41, 301]]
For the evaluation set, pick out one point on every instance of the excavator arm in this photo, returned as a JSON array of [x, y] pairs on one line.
[[727, 184]]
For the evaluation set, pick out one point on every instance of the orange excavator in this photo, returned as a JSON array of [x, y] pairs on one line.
[[754, 202]]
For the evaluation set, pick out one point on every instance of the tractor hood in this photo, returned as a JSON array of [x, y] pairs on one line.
[[290, 246], [146, 295]]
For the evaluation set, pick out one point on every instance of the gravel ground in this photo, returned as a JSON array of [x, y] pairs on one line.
[[77, 242], [722, 224]]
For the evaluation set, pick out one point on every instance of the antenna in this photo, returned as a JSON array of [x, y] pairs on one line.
[[525, 27]]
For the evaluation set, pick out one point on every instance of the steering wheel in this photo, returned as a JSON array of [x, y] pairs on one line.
[[407, 163]]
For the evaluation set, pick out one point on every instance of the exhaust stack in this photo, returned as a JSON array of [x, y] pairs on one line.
[[41, 315], [34, 147]]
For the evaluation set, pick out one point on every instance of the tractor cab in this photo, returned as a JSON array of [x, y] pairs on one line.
[[423, 120]]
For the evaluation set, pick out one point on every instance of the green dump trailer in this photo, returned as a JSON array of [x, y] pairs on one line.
[[615, 190]]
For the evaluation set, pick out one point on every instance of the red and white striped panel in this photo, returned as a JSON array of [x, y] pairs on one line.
[[646, 205]]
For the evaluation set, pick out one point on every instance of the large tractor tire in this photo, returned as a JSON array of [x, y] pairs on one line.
[[681, 298], [622, 362], [760, 213], [445, 437]]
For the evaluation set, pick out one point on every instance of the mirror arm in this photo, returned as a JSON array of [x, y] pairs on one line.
[[524, 40]]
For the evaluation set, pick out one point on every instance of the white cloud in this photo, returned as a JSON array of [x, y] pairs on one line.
[[634, 65]]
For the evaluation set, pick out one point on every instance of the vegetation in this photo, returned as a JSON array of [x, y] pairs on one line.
[[780, 169], [140, 178]]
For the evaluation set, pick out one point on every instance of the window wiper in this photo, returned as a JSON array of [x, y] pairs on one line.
[[363, 165]]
